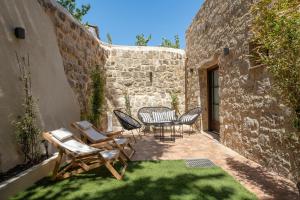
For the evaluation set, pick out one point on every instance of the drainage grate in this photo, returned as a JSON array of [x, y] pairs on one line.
[[201, 163]]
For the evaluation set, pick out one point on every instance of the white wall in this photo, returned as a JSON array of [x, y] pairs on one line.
[[57, 106]]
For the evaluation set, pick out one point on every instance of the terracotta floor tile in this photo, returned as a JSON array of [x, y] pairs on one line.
[[264, 184]]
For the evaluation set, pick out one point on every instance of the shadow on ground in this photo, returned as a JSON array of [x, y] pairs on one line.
[[258, 176], [167, 180]]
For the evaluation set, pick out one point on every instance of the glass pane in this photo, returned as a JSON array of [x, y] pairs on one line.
[[216, 112], [216, 78], [216, 96]]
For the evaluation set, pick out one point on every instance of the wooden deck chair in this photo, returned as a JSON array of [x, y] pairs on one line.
[[81, 157], [90, 134]]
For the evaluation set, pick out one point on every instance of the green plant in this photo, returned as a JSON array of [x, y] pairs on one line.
[[27, 131], [70, 5], [127, 103], [276, 35], [141, 40], [109, 39], [97, 98], [174, 102], [169, 43]]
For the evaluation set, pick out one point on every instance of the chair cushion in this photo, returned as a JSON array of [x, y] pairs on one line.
[[158, 117], [188, 118], [110, 154], [170, 115], [84, 125], [146, 117], [164, 116], [61, 134], [94, 135], [78, 147], [121, 141]]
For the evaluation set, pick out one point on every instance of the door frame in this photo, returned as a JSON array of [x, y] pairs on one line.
[[209, 100]]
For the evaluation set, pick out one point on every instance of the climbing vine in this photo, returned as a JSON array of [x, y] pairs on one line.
[[27, 131], [174, 101], [97, 97], [127, 102], [276, 35], [276, 31]]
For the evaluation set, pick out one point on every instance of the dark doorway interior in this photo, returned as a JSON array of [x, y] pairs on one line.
[[213, 99]]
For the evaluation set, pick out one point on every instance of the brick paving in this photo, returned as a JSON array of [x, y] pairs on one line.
[[266, 185]]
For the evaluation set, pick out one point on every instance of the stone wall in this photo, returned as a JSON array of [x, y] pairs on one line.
[[252, 120], [125, 68], [148, 74], [80, 49]]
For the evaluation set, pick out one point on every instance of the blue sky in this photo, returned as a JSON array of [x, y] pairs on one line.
[[124, 19]]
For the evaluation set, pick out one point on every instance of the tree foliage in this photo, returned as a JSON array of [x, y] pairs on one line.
[[27, 131], [141, 40], [169, 43], [70, 5], [109, 39], [97, 98], [276, 30]]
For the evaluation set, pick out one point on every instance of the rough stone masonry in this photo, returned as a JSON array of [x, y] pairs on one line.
[[253, 121]]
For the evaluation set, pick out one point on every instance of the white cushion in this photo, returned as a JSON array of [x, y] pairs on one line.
[[188, 118], [164, 116], [78, 147], [121, 141], [170, 115], [146, 117], [61, 134], [84, 124], [94, 135], [110, 154], [158, 117]]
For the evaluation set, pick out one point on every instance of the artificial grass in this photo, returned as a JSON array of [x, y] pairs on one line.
[[144, 180]]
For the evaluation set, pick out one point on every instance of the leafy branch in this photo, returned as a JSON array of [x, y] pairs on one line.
[[27, 131]]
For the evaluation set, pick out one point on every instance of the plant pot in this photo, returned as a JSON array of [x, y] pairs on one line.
[[26, 178]]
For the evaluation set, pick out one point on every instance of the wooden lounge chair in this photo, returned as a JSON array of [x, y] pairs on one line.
[[90, 134], [81, 157]]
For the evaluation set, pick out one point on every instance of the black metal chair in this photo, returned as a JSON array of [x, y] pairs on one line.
[[190, 117], [159, 120], [127, 122]]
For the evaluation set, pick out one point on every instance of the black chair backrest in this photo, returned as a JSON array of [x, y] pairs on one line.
[[150, 110], [126, 121], [195, 111]]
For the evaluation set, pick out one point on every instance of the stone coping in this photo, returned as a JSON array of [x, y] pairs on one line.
[[142, 48], [113, 46]]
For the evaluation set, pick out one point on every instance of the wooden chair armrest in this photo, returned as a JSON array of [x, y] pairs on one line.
[[101, 145], [114, 133]]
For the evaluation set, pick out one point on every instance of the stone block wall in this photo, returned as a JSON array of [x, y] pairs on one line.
[[80, 49], [124, 68], [148, 74], [252, 120]]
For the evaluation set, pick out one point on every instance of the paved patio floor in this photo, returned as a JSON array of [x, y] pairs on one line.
[[255, 178]]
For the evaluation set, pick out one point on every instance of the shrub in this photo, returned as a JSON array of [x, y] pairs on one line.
[[174, 102], [141, 40], [169, 43], [27, 131], [97, 98]]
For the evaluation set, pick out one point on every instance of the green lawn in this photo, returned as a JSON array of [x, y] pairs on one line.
[[155, 180]]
